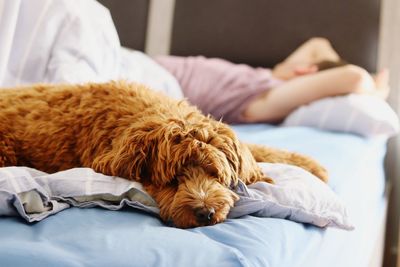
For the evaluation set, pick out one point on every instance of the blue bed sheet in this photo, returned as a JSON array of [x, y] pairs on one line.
[[97, 237]]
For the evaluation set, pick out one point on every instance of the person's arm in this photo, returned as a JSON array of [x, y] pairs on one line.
[[277, 103], [304, 59]]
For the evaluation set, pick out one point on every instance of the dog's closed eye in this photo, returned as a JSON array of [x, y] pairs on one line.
[[177, 139], [175, 181], [194, 133], [212, 170]]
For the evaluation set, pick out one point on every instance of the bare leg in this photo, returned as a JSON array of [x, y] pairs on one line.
[[314, 50], [381, 80], [277, 103]]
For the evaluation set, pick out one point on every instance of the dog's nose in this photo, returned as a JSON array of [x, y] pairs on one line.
[[204, 215]]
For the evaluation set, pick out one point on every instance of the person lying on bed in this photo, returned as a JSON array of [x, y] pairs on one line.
[[238, 93]]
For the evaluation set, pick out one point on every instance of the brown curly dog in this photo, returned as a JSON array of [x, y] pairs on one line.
[[187, 161]]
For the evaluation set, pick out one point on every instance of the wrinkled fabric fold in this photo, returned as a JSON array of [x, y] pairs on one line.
[[296, 195]]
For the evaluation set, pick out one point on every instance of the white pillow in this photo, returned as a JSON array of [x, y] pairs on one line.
[[297, 195], [136, 66], [360, 114]]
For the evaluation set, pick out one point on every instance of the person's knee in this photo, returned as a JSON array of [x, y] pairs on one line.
[[319, 42], [355, 77]]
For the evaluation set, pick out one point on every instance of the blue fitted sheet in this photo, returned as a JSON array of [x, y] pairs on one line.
[[97, 237]]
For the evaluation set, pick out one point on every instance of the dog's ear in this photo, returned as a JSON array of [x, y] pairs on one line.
[[167, 152], [249, 170], [226, 141], [129, 154], [146, 152], [237, 153]]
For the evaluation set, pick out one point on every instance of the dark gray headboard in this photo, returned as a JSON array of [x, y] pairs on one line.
[[130, 18], [257, 32], [263, 32]]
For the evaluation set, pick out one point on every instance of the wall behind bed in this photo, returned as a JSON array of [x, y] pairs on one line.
[[389, 56], [262, 32], [130, 18]]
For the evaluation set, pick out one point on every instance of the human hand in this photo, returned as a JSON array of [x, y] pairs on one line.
[[305, 69], [288, 71]]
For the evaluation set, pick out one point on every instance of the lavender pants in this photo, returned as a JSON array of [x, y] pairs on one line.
[[219, 87]]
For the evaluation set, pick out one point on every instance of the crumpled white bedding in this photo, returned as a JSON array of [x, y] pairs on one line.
[[34, 195], [74, 41], [56, 41], [296, 195]]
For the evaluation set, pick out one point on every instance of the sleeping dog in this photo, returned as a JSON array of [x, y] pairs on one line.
[[187, 161]]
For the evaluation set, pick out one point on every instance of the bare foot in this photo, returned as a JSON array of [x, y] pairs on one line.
[[381, 80]]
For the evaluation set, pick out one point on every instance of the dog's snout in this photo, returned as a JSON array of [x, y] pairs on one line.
[[204, 215]]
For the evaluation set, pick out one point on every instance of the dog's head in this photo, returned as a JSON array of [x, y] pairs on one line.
[[159, 152], [194, 199], [191, 164], [199, 162]]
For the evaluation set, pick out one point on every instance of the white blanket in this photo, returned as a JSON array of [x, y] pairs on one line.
[[297, 195], [54, 41], [34, 195]]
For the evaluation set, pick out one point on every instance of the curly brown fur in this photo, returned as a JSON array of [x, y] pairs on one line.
[[272, 155], [186, 161]]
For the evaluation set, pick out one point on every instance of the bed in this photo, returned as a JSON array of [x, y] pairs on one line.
[[98, 237]]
